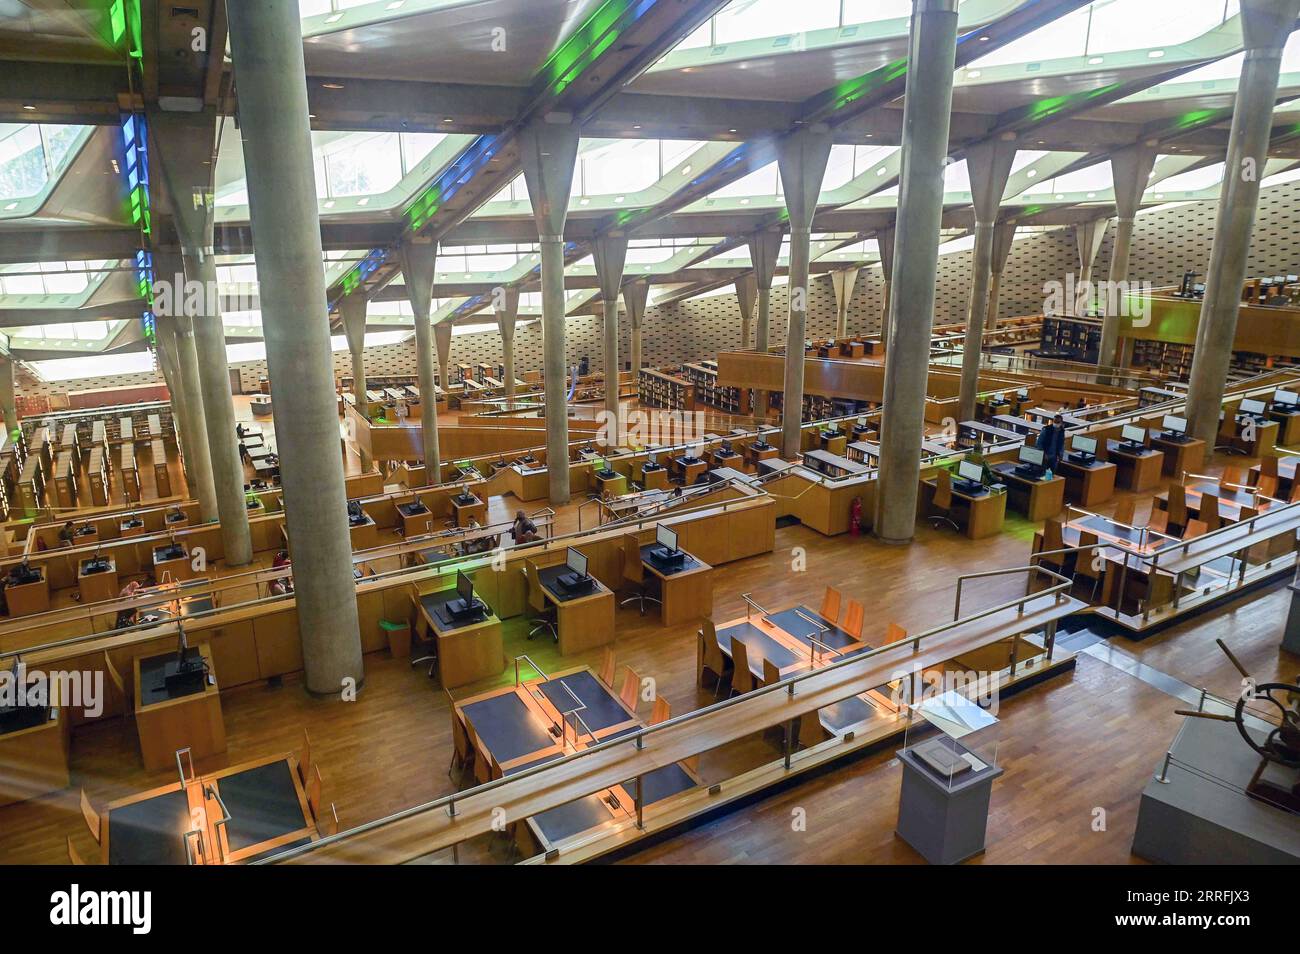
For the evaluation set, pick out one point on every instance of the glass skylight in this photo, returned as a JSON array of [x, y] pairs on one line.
[[31, 154]]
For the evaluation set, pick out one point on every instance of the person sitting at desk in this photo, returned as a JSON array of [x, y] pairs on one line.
[[282, 585], [126, 617], [477, 544], [1051, 441], [523, 530], [65, 535]]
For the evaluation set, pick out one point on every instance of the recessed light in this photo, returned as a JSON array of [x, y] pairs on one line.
[[1155, 54], [731, 130], [29, 107], [1060, 195], [619, 198], [686, 170], [331, 85], [1032, 173], [1092, 195], [881, 171], [984, 39], [329, 204], [395, 5], [744, 202], [448, 119], [584, 201], [1160, 195], [11, 206], [636, 126], [972, 74], [365, 201], [334, 18], [1094, 60]]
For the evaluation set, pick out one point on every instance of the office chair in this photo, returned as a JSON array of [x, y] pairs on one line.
[[1085, 562], [942, 502], [830, 610], [1209, 513], [1233, 474], [742, 677], [634, 573], [711, 657], [428, 652], [1177, 508], [544, 615], [1126, 512], [1227, 434]]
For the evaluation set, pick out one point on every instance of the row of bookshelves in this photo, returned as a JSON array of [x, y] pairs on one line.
[[661, 389]]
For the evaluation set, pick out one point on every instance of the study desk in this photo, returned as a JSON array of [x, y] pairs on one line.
[[1288, 422], [265, 799], [176, 520], [166, 723], [832, 465], [1255, 438], [754, 453], [1042, 416], [689, 468], [653, 477], [172, 560], [1128, 584], [1037, 498], [583, 620], [1231, 500], [991, 407], [33, 753], [852, 349], [733, 459], [133, 527], [1135, 470], [835, 443], [363, 534], [968, 431], [471, 508], [414, 519], [1087, 484], [467, 651], [1180, 456], [1286, 471], [99, 586], [1017, 425], [686, 591], [25, 599], [980, 515], [613, 485]]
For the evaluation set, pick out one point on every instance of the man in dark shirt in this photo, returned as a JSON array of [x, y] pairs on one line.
[[523, 530], [1051, 441]]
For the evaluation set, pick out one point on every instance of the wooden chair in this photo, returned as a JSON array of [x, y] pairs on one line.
[[1209, 514], [1053, 540], [634, 573], [1126, 512], [607, 668], [482, 771], [1086, 564], [854, 615], [1295, 491], [1158, 521], [313, 791], [1267, 486], [830, 610], [1177, 507], [1268, 466], [1232, 474], [544, 614], [771, 672], [304, 760], [462, 753], [630, 691], [810, 730], [73, 856], [711, 657], [119, 685], [742, 678], [94, 821], [661, 712], [941, 503], [329, 825], [894, 633], [1194, 529]]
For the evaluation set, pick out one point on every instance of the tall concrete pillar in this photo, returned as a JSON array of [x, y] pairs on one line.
[[165, 348], [635, 296], [610, 253], [1131, 169], [1265, 26], [746, 295], [442, 345], [548, 150], [843, 281], [764, 249], [927, 111], [419, 262], [885, 243], [1088, 236], [352, 309], [8, 396], [184, 146], [1004, 235], [266, 47], [507, 312], [197, 448], [989, 164], [801, 158]]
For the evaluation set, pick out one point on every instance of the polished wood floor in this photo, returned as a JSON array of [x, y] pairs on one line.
[[1077, 744]]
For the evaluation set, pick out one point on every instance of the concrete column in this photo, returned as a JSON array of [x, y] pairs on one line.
[[8, 397], [1265, 26], [184, 145], [352, 309], [266, 47], [927, 110], [197, 448], [746, 295], [764, 249], [1088, 236], [801, 158], [548, 150], [610, 253], [843, 281], [507, 312], [1131, 169], [989, 164], [442, 345], [419, 262], [1004, 235], [885, 242], [165, 344], [635, 296]]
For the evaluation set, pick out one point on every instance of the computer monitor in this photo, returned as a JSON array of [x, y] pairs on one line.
[[666, 538], [1249, 406], [726, 449], [695, 451], [1286, 398], [602, 464], [577, 562], [1134, 435], [1174, 425], [1031, 455], [465, 589], [972, 472], [652, 459], [862, 422], [1084, 445], [1023, 394], [464, 492], [999, 398]]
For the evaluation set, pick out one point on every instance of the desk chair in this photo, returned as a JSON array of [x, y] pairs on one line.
[[1295, 491], [1233, 474], [546, 616], [94, 821], [1268, 466], [462, 753], [771, 672], [711, 657], [894, 634], [73, 857], [314, 785], [742, 678], [854, 616], [606, 674], [482, 771], [1227, 434], [830, 610], [1086, 563], [1053, 540], [1209, 514], [1158, 521], [661, 712], [304, 760], [1126, 512], [428, 652], [1194, 529], [1267, 486], [630, 691], [1177, 507], [634, 573], [941, 503], [810, 729], [119, 685]]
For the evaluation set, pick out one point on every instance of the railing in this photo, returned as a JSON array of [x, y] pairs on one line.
[[638, 738], [1076, 371]]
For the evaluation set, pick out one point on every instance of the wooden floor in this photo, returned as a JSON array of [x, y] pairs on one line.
[[1079, 743]]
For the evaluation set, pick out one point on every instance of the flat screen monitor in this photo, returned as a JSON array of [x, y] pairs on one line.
[[1134, 435], [652, 459], [968, 471], [999, 398], [1249, 406], [862, 422], [1022, 394], [666, 538], [602, 465], [1084, 445], [695, 451], [577, 562], [1031, 455], [1286, 398], [465, 588], [1174, 425]]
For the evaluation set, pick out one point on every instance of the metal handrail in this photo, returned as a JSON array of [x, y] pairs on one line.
[[638, 738], [536, 668]]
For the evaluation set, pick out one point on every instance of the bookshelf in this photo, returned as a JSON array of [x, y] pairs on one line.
[[660, 389], [704, 376]]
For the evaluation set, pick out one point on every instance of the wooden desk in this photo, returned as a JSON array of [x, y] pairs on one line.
[[1180, 456], [1036, 499], [686, 592], [1231, 500], [134, 527], [192, 721], [1286, 471], [983, 514], [615, 486], [1087, 484], [1135, 470], [1288, 426], [733, 460], [25, 599], [414, 519], [176, 521], [177, 566], [1139, 587], [34, 759], [852, 349], [364, 535], [991, 408], [1263, 439], [474, 509], [466, 652], [836, 443], [97, 587], [755, 454], [689, 469], [583, 621], [653, 478]]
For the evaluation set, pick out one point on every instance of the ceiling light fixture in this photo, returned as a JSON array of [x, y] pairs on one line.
[[331, 85]]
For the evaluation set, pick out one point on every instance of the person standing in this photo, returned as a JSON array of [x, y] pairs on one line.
[[1051, 441]]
